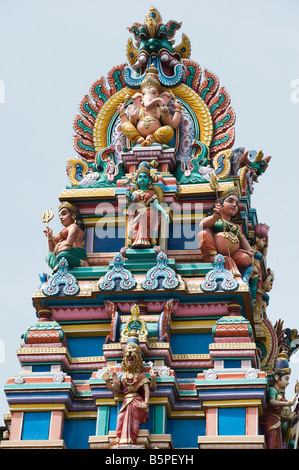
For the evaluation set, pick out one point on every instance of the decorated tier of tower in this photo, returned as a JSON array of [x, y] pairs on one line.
[[152, 328]]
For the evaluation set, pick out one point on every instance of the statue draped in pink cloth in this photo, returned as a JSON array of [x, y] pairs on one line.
[[136, 387], [220, 235]]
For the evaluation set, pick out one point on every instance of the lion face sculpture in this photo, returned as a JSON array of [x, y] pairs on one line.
[[132, 360]]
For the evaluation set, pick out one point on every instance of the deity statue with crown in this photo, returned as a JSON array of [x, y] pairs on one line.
[[135, 386], [278, 409], [144, 200]]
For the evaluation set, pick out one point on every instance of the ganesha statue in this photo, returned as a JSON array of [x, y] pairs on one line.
[[149, 119]]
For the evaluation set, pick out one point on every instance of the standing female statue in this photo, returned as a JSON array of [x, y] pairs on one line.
[[220, 235], [69, 242], [144, 212]]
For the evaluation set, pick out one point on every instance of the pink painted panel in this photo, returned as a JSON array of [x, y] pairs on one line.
[[16, 426]]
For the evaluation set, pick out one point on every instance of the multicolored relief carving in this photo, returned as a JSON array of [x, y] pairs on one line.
[[103, 173], [154, 46], [252, 165], [61, 277], [118, 276], [219, 275], [161, 272], [189, 111], [192, 116], [136, 324]]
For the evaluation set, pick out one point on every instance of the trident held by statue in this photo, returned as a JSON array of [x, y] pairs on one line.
[[47, 216]]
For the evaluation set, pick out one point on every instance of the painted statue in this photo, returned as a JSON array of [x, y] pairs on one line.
[[267, 284], [260, 248], [145, 206], [275, 413], [149, 119], [220, 235], [252, 164], [136, 387], [69, 242]]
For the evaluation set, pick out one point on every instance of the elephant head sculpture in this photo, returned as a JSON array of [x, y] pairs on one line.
[[149, 119], [150, 97]]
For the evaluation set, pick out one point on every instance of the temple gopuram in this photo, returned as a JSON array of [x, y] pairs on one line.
[[151, 328]]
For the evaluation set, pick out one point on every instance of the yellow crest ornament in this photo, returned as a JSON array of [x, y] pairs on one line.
[[135, 323]]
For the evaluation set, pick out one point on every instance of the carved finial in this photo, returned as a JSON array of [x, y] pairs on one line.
[[153, 18]]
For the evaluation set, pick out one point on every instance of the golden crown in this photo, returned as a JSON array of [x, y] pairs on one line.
[[230, 192], [145, 167], [67, 205]]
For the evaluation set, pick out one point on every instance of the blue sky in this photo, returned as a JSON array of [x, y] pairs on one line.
[[52, 52]]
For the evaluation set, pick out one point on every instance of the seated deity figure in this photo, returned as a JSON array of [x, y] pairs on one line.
[[69, 242], [144, 208], [149, 119], [220, 235]]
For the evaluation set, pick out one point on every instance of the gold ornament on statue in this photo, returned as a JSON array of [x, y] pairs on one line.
[[47, 216], [214, 183]]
